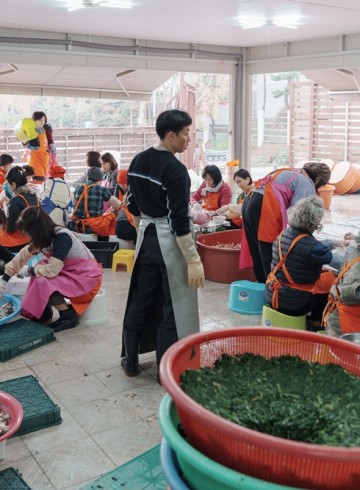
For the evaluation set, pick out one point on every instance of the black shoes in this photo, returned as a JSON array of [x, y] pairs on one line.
[[68, 319], [46, 316], [129, 372]]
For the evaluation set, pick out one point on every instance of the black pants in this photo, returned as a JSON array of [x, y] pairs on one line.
[[125, 231], [315, 306], [261, 252], [148, 281]]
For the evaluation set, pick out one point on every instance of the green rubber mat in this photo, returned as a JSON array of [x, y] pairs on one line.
[[39, 410], [21, 336], [141, 473], [10, 479]]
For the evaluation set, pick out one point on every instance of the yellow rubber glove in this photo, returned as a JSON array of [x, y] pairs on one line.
[[196, 276]]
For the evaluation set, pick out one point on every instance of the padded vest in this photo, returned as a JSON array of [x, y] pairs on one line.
[[298, 267]]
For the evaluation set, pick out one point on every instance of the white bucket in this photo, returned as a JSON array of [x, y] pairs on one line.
[[96, 313]]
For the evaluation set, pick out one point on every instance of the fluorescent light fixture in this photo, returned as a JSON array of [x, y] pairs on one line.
[[79, 4], [255, 22]]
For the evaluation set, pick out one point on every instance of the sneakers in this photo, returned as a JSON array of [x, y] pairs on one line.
[[129, 372]]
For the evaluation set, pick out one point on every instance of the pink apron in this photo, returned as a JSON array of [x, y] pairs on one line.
[[77, 278]]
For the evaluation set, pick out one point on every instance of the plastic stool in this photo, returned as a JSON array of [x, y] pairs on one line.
[[247, 297], [123, 256], [96, 312], [273, 318]]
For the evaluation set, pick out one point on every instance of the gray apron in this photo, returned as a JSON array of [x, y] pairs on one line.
[[184, 299]]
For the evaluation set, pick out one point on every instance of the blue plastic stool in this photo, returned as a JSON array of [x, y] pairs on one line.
[[247, 297]]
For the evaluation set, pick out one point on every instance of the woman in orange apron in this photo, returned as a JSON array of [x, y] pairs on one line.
[[69, 270], [25, 196], [39, 155], [213, 192], [232, 212], [342, 314], [297, 283], [88, 216], [264, 210]]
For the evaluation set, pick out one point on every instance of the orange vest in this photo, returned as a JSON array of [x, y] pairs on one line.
[[101, 225], [349, 315], [321, 286]]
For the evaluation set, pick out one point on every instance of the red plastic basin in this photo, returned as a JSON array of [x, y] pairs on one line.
[[221, 264]]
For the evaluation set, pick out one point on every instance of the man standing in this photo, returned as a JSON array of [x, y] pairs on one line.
[[162, 304]]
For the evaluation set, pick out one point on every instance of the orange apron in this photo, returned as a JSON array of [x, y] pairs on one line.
[[81, 303], [349, 315], [129, 216], [238, 221], [39, 159], [211, 201], [274, 205], [101, 225], [17, 237], [321, 286]]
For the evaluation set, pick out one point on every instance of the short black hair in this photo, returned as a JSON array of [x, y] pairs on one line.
[[5, 159], [214, 173], [172, 120], [16, 175], [37, 115], [244, 174]]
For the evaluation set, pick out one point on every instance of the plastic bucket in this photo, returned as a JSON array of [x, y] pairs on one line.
[[326, 193]]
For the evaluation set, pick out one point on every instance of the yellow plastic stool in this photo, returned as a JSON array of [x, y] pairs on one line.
[[273, 318], [123, 256]]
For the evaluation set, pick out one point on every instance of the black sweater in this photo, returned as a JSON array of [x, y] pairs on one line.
[[159, 185]]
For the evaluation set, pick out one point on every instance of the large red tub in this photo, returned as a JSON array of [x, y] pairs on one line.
[[222, 264]]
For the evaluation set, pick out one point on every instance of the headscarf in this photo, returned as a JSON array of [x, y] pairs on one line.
[[57, 171]]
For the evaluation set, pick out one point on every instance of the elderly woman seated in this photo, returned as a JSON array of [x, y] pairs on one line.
[[213, 192], [297, 283], [342, 312]]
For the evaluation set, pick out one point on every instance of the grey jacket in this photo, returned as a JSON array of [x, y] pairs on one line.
[[349, 289]]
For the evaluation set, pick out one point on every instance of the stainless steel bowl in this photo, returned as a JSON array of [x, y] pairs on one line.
[[352, 337]]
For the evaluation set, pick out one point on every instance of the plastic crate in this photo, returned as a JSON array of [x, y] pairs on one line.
[[248, 451], [10, 479], [141, 473], [103, 252], [21, 336], [39, 410]]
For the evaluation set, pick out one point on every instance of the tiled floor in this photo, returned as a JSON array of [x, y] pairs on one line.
[[108, 418]]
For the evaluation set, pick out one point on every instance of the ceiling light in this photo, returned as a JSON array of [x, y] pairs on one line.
[[253, 22], [79, 4]]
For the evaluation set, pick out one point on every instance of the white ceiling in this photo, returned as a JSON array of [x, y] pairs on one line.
[[193, 21], [210, 22]]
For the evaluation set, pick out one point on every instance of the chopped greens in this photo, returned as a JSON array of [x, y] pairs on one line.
[[282, 396]]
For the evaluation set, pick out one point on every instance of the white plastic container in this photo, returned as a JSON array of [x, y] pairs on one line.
[[96, 312]]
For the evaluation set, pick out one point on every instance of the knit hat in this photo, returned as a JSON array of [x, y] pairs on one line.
[[95, 174], [57, 171], [122, 177]]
